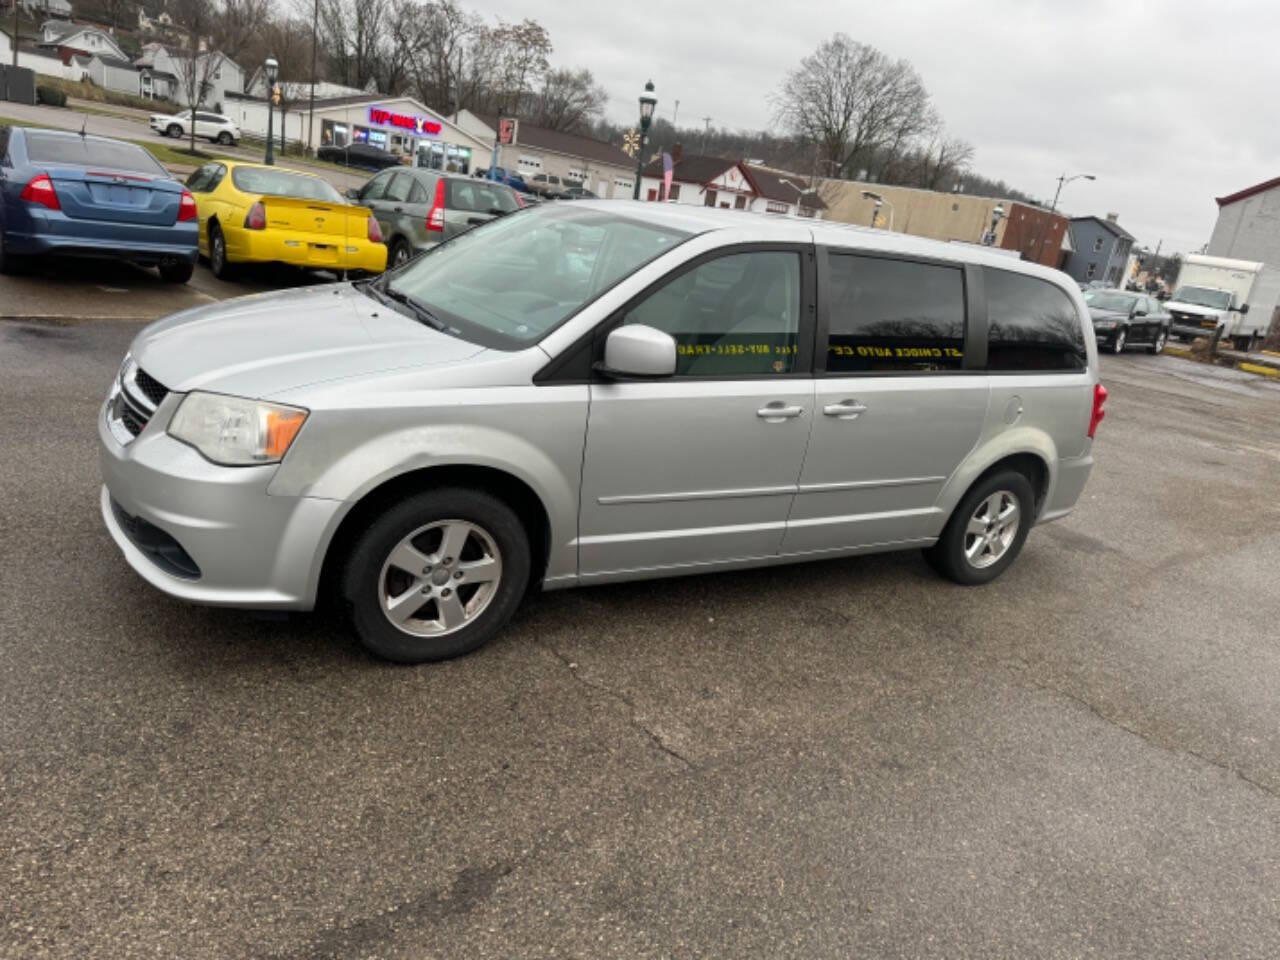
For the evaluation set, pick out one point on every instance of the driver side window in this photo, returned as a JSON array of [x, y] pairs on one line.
[[737, 315]]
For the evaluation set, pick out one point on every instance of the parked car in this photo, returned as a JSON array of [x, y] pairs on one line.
[[362, 156], [1125, 319], [213, 127], [418, 208], [512, 179], [582, 394], [548, 186], [62, 193], [252, 213], [578, 193]]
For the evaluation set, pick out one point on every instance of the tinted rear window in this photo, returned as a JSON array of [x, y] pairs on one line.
[[90, 152], [480, 197], [281, 183], [1033, 325]]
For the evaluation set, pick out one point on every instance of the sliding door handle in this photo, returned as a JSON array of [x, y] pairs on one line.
[[844, 410]]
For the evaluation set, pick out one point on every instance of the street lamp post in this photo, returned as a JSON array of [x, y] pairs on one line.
[[647, 102], [273, 71], [1063, 181], [879, 201]]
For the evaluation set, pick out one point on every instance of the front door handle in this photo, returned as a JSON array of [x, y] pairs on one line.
[[844, 410], [778, 411]]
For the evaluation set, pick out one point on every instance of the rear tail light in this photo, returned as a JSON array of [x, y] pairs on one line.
[[1099, 399], [256, 218], [40, 190], [519, 199], [375, 231], [435, 219], [187, 207]]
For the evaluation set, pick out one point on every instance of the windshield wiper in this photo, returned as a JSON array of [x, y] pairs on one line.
[[421, 311]]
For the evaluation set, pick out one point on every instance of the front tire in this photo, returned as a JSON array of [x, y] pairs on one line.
[[173, 130], [987, 530], [437, 575], [1121, 337]]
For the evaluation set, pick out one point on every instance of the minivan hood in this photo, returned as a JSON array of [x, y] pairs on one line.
[[263, 345]]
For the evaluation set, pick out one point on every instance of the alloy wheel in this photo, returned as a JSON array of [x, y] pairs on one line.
[[1118, 345], [440, 578], [992, 529]]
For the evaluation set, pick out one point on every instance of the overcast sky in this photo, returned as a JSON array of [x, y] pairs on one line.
[[1169, 103]]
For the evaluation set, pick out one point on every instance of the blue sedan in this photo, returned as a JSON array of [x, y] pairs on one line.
[[66, 194]]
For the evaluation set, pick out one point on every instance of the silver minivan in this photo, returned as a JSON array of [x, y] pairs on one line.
[[592, 392], [417, 208]]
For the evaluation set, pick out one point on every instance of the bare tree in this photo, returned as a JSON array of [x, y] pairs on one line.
[[860, 107], [115, 11], [522, 50], [567, 100], [195, 64], [351, 33], [238, 25], [941, 161], [448, 33]]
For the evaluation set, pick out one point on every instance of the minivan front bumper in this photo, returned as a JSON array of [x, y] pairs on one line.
[[165, 505]]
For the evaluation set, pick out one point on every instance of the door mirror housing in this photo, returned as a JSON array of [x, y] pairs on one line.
[[352, 193], [1244, 308], [640, 352]]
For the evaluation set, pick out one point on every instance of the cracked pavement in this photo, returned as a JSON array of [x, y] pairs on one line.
[[848, 758]]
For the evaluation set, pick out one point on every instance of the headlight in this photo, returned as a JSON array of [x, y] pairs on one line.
[[234, 431]]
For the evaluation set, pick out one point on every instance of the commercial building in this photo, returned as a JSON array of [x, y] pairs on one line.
[[400, 125], [1100, 250], [1033, 233], [732, 185], [595, 164], [1248, 228]]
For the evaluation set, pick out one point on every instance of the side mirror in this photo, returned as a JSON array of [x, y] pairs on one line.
[[353, 193], [638, 351], [1244, 308]]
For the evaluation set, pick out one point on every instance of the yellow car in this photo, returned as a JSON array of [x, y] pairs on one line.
[[252, 213]]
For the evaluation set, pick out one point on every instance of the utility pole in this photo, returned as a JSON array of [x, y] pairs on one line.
[[311, 111], [676, 115], [706, 132], [17, 5]]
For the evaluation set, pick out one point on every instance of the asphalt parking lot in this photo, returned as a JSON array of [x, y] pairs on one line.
[[850, 758]]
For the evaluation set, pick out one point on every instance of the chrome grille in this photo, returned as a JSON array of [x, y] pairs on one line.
[[134, 398]]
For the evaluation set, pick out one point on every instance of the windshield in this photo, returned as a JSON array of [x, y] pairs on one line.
[[509, 283], [281, 183], [1203, 297], [1109, 300], [90, 152]]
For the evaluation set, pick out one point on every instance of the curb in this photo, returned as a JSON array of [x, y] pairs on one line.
[[60, 320]]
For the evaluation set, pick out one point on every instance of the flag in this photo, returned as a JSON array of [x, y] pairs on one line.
[[668, 171]]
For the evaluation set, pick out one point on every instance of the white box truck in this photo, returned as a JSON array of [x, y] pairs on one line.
[[1216, 292]]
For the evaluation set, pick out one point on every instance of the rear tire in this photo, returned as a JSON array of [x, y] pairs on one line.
[[408, 584], [225, 139], [976, 545], [399, 254], [176, 271], [218, 262], [1161, 339]]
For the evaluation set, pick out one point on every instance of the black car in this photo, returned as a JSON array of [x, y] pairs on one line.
[[579, 193], [1123, 319], [359, 155]]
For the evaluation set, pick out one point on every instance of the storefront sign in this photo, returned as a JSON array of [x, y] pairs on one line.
[[419, 125]]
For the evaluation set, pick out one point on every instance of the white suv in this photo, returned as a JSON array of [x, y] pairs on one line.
[[209, 126]]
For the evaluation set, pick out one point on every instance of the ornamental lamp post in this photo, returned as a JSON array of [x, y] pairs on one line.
[[273, 71], [997, 213], [647, 102]]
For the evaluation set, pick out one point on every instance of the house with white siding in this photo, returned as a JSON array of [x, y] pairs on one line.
[[72, 39], [218, 74], [731, 185]]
